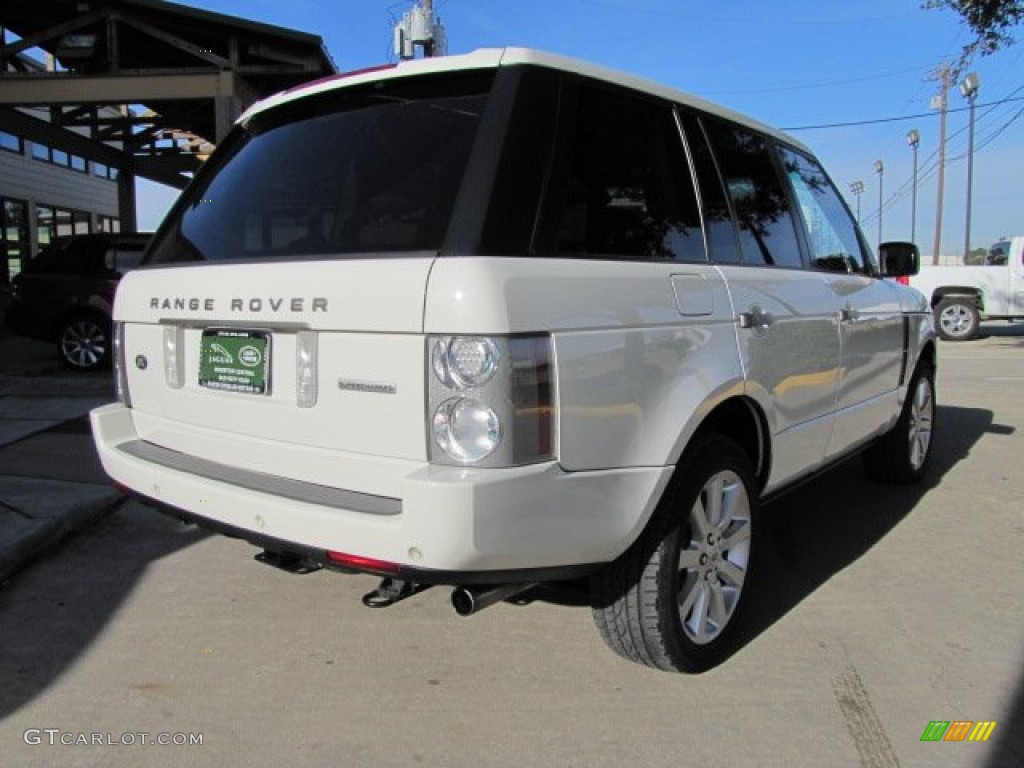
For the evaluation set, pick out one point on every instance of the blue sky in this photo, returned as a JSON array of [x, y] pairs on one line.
[[789, 63]]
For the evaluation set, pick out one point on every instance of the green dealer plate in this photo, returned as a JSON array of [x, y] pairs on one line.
[[235, 361]]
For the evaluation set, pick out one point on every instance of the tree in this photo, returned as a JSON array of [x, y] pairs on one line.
[[989, 20]]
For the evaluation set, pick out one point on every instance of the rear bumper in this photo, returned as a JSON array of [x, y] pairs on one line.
[[449, 524]]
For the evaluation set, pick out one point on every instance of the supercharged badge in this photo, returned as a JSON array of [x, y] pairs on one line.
[[373, 387]]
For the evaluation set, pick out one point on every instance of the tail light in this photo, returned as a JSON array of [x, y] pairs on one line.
[[120, 370], [490, 400]]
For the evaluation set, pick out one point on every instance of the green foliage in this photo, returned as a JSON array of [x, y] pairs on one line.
[[977, 256], [991, 21]]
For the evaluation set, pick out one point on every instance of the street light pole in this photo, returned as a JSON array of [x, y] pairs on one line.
[[914, 138], [880, 170], [940, 103], [857, 188], [969, 90]]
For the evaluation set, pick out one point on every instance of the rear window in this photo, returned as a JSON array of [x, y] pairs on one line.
[[365, 171]]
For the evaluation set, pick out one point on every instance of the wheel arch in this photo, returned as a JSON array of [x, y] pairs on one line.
[[957, 291], [741, 419], [79, 310], [928, 354], [738, 417]]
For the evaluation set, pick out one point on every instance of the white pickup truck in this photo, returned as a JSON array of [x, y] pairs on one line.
[[961, 296]]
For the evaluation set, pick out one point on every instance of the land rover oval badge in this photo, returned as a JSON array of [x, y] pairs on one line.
[[141, 362]]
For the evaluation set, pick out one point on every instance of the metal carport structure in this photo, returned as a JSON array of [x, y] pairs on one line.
[[143, 86]]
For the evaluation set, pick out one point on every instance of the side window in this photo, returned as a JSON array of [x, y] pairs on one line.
[[622, 186], [831, 232], [766, 226]]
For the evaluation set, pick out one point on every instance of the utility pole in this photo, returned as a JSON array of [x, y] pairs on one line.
[[969, 89], [880, 170], [941, 102]]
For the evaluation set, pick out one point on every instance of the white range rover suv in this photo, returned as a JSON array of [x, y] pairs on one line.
[[507, 319]]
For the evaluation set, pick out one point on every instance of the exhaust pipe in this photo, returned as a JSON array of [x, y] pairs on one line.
[[470, 600]]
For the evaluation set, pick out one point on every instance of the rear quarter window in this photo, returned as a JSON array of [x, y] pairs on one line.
[[621, 185]]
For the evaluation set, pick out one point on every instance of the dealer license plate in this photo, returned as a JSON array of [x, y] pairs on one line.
[[235, 361]]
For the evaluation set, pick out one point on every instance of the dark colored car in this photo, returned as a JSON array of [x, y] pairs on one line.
[[66, 294]]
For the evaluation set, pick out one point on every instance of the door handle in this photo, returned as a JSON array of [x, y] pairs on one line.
[[756, 319], [849, 315]]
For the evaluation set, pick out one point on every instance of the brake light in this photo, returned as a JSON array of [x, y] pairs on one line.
[[339, 76], [903, 280]]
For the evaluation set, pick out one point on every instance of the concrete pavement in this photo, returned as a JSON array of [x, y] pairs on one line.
[[878, 612], [51, 482]]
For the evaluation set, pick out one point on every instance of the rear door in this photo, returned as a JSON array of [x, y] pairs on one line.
[[869, 312], [788, 334]]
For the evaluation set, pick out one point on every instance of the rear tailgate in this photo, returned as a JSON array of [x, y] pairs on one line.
[[363, 317]]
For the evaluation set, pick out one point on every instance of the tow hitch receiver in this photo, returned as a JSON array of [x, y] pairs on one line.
[[391, 591], [288, 561]]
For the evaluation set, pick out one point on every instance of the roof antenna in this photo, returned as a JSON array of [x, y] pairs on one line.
[[420, 28]]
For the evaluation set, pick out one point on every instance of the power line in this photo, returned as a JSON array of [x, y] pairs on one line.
[[926, 175], [931, 166], [882, 120]]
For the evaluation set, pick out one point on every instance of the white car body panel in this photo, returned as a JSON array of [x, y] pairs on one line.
[[872, 350], [451, 518], [791, 363], [637, 345]]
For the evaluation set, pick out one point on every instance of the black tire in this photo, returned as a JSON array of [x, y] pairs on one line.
[[657, 604], [83, 342], [956, 318], [902, 455]]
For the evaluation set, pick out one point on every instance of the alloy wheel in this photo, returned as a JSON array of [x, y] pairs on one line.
[[84, 344], [922, 416], [713, 567]]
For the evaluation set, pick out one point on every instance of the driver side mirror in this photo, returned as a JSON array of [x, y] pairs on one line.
[[899, 259]]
